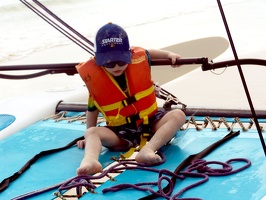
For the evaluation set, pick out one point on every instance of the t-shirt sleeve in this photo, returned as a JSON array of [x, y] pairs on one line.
[[148, 56], [91, 105]]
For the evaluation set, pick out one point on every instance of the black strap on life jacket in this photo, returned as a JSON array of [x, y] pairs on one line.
[[5, 183], [193, 157]]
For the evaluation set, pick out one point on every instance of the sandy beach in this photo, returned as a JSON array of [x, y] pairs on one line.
[[196, 88]]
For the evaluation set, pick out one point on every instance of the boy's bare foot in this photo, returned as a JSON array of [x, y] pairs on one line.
[[147, 156], [89, 166]]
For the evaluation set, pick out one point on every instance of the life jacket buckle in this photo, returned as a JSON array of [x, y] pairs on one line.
[[146, 135], [129, 100], [132, 118]]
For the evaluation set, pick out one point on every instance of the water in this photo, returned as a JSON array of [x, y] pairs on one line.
[[23, 32]]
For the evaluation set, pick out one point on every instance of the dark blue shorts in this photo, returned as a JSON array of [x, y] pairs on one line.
[[131, 133]]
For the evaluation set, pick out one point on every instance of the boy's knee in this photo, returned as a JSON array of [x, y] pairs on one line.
[[178, 116], [90, 130]]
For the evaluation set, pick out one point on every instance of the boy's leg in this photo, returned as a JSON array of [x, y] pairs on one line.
[[164, 129], [95, 138]]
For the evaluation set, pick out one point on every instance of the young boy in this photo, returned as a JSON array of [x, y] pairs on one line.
[[120, 87]]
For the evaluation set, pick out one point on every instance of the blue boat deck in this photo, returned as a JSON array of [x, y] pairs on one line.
[[49, 170]]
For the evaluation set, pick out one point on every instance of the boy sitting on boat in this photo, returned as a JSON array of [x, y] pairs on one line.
[[120, 87]]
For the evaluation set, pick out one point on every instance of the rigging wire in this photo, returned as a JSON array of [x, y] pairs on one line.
[[213, 71], [58, 27], [242, 77], [64, 23]]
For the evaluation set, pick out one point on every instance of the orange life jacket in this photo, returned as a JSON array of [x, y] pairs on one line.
[[118, 108]]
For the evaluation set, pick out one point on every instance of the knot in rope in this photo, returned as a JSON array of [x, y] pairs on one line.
[[78, 182], [202, 169], [203, 166]]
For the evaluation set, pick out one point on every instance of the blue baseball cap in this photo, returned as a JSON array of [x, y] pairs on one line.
[[112, 44]]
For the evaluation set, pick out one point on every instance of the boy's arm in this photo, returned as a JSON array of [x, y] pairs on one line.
[[91, 118], [163, 54]]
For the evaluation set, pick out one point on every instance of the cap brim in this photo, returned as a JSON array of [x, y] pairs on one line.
[[103, 58]]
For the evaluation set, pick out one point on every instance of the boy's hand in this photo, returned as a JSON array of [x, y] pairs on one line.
[[81, 144], [174, 57]]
